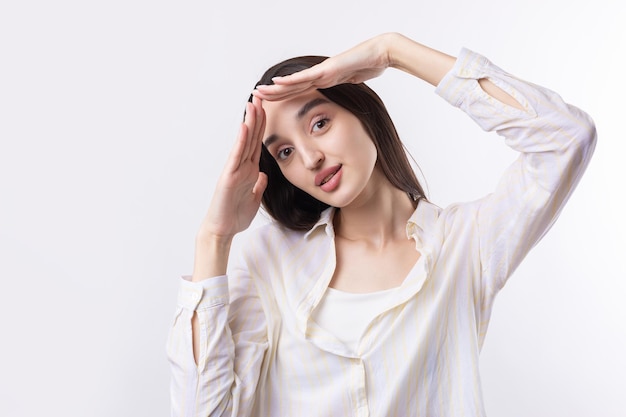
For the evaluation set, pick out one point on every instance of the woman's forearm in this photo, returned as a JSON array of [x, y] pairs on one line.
[[211, 257], [211, 260], [431, 65], [416, 59]]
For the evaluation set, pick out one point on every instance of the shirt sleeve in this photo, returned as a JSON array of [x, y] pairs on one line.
[[233, 341], [555, 141]]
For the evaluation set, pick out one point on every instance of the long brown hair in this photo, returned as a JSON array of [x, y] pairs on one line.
[[297, 210]]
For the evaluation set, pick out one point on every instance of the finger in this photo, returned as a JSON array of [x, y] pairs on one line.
[[282, 92], [273, 88], [250, 120], [258, 142], [257, 130], [256, 156], [305, 76], [285, 95], [259, 187], [234, 158], [260, 117]]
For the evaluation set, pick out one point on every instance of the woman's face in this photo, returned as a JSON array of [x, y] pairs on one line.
[[321, 148]]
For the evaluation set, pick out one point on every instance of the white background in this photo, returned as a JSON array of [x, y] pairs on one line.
[[116, 117]]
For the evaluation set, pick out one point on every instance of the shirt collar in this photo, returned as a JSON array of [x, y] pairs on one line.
[[422, 221], [326, 219]]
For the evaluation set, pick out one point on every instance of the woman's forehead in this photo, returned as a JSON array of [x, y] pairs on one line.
[[285, 114]]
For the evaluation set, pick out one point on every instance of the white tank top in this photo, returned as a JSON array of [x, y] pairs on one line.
[[346, 315]]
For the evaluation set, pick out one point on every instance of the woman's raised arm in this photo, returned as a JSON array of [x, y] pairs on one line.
[[236, 199], [368, 60], [234, 204]]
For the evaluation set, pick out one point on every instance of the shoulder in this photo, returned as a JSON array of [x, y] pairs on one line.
[[430, 217], [435, 225], [272, 234], [266, 244], [285, 260]]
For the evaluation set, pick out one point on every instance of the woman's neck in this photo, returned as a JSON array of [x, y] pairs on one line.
[[379, 216]]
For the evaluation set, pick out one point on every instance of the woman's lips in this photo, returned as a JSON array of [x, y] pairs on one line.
[[328, 179], [326, 174]]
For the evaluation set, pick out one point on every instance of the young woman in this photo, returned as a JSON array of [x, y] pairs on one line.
[[362, 298]]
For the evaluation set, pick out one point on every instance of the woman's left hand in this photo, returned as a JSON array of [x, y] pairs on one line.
[[356, 65]]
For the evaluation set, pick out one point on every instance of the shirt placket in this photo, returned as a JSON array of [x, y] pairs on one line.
[[360, 394]]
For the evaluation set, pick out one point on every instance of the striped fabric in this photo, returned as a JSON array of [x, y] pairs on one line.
[[263, 355]]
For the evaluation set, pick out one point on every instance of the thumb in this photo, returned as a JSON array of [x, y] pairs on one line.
[[259, 186]]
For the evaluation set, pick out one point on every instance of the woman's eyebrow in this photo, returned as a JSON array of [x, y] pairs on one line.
[[270, 139], [310, 105]]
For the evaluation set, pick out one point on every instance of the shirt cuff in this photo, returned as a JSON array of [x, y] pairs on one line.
[[468, 68], [204, 294]]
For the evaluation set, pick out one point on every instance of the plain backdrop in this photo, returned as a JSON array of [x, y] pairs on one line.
[[115, 121]]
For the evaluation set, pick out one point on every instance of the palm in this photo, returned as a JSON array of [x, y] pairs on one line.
[[238, 193], [234, 202]]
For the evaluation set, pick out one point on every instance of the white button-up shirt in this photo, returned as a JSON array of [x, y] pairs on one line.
[[262, 354]]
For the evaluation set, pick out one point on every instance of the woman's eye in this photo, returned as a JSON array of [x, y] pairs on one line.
[[284, 153], [320, 124]]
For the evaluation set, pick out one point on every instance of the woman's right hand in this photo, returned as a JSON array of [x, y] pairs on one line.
[[363, 62], [236, 199]]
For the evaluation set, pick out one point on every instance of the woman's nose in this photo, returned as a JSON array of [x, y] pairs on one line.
[[312, 158]]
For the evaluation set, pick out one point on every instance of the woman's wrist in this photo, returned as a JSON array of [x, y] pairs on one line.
[[211, 258], [416, 59], [383, 44], [389, 43]]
